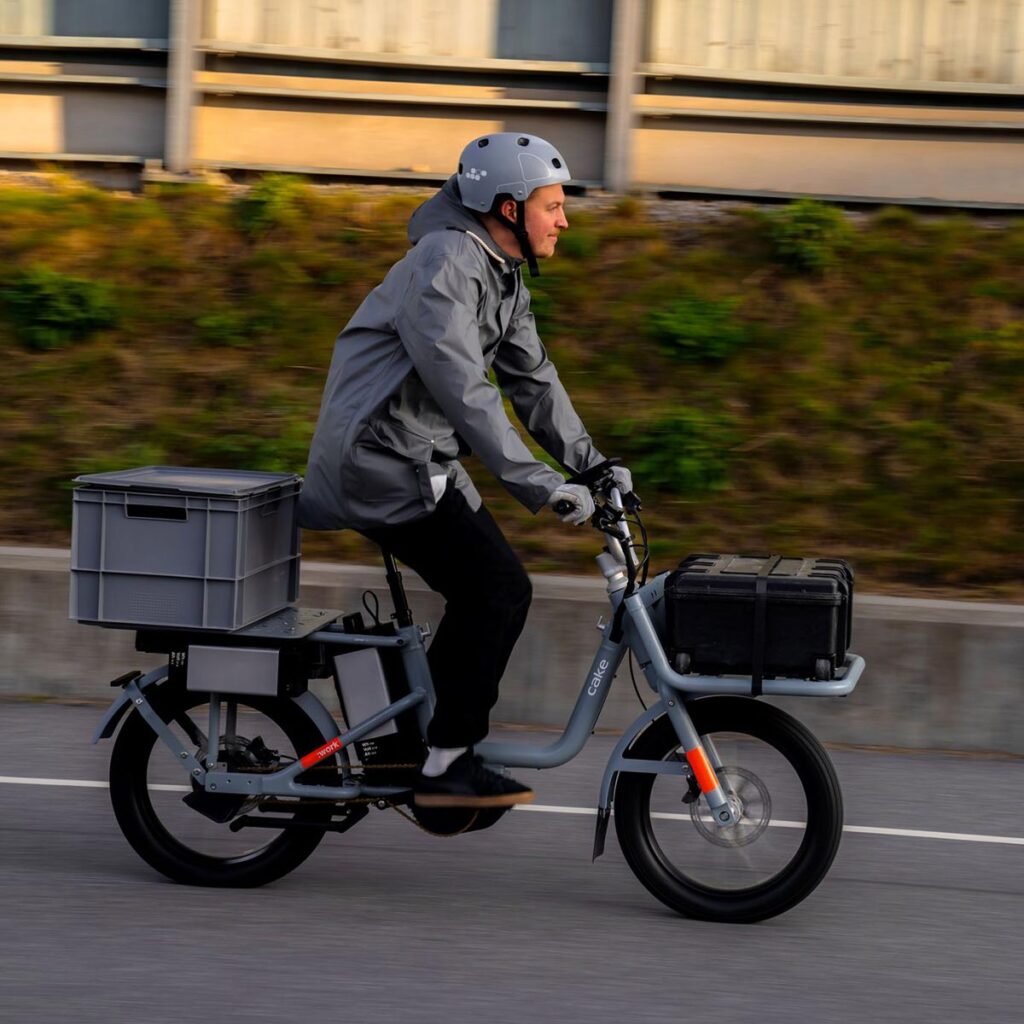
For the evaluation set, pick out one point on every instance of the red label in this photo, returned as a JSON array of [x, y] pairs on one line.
[[320, 753], [705, 774]]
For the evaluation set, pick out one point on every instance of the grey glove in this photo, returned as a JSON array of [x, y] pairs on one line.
[[623, 479], [579, 497]]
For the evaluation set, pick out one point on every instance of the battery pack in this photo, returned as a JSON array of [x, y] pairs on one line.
[[363, 689], [367, 680]]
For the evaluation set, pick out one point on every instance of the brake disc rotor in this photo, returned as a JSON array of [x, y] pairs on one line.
[[750, 801]]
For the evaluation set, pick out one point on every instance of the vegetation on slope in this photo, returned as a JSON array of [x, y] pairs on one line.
[[790, 379]]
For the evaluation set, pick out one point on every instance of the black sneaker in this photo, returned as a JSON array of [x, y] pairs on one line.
[[467, 783]]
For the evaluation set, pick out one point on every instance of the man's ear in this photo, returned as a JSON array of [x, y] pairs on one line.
[[508, 209]]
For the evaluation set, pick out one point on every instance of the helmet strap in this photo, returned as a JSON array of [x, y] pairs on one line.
[[518, 228]]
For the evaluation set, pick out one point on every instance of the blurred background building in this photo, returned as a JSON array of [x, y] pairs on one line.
[[907, 100]]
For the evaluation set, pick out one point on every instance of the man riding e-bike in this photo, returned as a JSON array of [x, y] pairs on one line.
[[408, 392]]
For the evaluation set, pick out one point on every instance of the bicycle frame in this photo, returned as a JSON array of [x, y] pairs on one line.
[[640, 613]]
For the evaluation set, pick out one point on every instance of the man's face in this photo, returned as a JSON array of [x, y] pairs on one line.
[[545, 219]]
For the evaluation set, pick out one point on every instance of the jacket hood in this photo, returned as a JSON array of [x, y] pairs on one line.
[[444, 210]]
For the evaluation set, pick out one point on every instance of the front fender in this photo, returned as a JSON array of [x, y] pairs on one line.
[[626, 740], [614, 766]]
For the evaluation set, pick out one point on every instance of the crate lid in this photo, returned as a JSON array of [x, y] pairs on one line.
[[183, 480]]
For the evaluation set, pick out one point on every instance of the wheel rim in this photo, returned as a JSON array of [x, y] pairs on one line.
[[751, 804], [160, 790], [740, 859]]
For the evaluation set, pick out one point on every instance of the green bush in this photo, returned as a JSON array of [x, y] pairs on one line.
[[685, 451], [808, 235], [224, 326], [50, 310], [698, 330], [274, 201], [579, 244]]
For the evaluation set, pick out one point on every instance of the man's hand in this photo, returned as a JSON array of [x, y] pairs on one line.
[[623, 479], [577, 496]]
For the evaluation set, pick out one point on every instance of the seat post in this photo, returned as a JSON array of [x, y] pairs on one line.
[[403, 614]]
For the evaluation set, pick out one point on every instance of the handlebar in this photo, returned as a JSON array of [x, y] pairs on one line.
[[591, 477], [609, 517]]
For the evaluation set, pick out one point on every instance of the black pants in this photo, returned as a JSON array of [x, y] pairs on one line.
[[464, 556]]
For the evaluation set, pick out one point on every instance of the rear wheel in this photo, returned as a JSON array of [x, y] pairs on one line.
[[791, 814], [184, 832]]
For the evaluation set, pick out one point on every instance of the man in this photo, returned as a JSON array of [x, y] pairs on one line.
[[408, 393]]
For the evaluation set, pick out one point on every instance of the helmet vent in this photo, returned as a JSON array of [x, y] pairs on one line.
[[556, 161], [483, 143], [460, 167], [522, 141]]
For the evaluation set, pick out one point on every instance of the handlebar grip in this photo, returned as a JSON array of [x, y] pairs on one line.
[[563, 507]]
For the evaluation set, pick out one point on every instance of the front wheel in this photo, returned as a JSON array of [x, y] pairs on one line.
[[791, 814]]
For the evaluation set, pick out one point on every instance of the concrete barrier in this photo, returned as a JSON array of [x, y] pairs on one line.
[[943, 675]]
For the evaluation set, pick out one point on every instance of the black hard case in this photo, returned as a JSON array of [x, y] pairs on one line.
[[807, 614]]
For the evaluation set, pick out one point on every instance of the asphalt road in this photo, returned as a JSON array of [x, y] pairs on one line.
[[389, 924]]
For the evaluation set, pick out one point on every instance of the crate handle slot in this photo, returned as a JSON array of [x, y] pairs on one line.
[[177, 515]]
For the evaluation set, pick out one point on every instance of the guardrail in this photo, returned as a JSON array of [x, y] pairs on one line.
[[941, 675]]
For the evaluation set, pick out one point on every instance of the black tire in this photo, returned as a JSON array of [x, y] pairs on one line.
[[131, 768], [797, 855]]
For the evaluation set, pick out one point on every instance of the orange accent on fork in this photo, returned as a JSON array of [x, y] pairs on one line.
[[331, 747], [701, 766]]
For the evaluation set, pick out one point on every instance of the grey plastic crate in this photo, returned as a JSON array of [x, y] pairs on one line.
[[191, 548]]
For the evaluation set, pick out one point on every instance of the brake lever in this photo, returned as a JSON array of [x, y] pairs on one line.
[[631, 502], [605, 517]]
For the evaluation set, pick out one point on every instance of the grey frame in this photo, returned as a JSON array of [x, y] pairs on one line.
[[642, 615]]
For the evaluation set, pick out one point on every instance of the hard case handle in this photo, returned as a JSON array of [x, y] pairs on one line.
[[165, 512], [760, 614]]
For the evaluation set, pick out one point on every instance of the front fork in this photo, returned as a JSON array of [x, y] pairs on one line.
[[704, 762], [701, 757]]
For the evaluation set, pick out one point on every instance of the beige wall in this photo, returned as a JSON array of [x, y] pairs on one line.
[[361, 140], [917, 169], [31, 124], [914, 100], [414, 27], [903, 41]]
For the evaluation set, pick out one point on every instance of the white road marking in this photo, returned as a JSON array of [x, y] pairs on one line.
[[909, 833], [18, 780]]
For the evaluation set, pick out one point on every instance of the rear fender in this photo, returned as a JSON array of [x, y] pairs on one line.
[[116, 710], [310, 704]]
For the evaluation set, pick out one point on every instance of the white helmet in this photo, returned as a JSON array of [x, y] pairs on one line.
[[509, 163]]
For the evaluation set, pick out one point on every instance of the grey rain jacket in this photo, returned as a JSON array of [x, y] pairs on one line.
[[408, 388]]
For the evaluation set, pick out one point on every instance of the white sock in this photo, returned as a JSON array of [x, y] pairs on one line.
[[440, 758]]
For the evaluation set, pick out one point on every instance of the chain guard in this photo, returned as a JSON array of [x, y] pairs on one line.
[[454, 821]]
